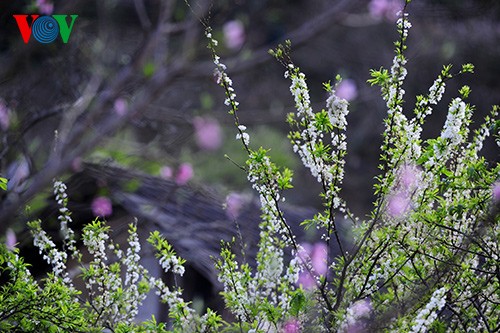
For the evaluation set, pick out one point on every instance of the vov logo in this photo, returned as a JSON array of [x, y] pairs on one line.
[[45, 29]]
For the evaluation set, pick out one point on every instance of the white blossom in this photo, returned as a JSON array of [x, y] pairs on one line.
[[454, 120], [428, 315]]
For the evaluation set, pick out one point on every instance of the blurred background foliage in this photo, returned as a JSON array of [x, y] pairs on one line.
[[39, 83]]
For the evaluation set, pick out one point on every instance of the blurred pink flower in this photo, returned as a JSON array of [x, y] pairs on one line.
[[398, 204], [234, 203], [316, 254], [45, 7], [306, 280], [208, 133], [4, 116], [10, 239], [184, 173], [319, 257], [359, 312], [120, 106], [102, 206], [496, 192], [76, 164], [347, 90], [304, 250], [356, 328], [385, 9], [234, 34], [362, 308], [409, 176], [166, 172], [292, 325]]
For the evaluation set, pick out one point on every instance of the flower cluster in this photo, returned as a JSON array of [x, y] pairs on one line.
[[166, 255], [133, 273], [325, 160], [408, 184], [452, 129], [428, 315], [273, 280], [398, 131], [185, 317], [484, 131], [48, 248], [237, 281], [95, 236], [223, 80], [64, 216]]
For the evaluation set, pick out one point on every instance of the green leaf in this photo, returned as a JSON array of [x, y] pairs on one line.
[[206, 101], [323, 121], [132, 185], [465, 91], [285, 179], [327, 86], [3, 183], [379, 77], [149, 69], [298, 302], [467, 68]]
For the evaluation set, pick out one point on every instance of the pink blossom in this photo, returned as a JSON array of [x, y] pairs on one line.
[[316, 255], [496, 192], [234, 34], [359, 312], [409, 176], [10, 239], [398, 204], [347, 90], [304, 250], [234, 204], [4, 116], [362, 308], [184, 173], [76, 164], [120, 106], [102, 206], [292, 325], [45, 7], [319, 257], [208, 133], [166, 172], [385, 9], [306, 280], [356, 327]]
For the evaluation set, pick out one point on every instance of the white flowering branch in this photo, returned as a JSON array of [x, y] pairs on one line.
[[271, 283]]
